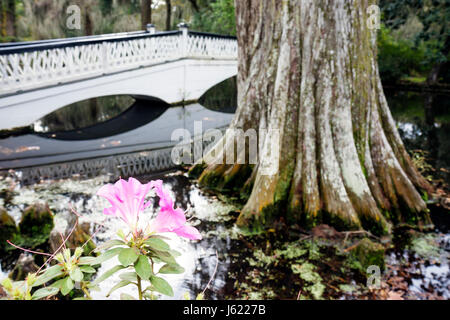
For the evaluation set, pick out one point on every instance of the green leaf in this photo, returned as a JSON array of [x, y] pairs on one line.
[[76, 275], [66, 286], [109, 244], [107, 274], [164, 257], [129, 276], [157, 244], [124, 296], [121, 284], [162, 286], [85, 260], [44, 292], [58, 284], [128, 256], [175, 253], [149, 296], [106, 256], [171, 269], [87, 269], [143, 267], [48, 275]]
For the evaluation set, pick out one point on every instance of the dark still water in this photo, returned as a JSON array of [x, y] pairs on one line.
[[423, 121]]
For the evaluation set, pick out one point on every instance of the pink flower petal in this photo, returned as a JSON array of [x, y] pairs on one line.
[[188, 232], [167, 221], [126, 198]]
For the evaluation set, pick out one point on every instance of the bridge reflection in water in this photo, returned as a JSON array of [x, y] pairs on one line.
[[135, 141]]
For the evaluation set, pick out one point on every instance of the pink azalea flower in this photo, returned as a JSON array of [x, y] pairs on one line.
[[127, 199], [170, 219]]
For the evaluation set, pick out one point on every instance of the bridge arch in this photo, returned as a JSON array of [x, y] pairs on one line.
[[173, 67]]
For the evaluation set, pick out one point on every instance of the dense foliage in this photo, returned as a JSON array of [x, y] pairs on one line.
[[416, 36]]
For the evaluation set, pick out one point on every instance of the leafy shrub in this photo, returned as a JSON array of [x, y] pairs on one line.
[[398, 58]]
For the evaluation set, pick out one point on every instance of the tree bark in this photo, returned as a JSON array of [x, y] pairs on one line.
[[89, 25], [146, 13], [2, 18], [308, 68], [194, 5], [10, 18], [168, 15]]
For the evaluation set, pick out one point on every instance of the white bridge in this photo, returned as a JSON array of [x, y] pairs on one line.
[[37, 78]]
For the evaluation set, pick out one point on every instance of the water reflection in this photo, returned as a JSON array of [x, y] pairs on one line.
[[139, 114], [84, 114], [423, 121], [109, 126]]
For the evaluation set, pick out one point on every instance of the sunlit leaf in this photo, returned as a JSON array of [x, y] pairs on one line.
[[129, 276], [76, 275], [86, 261], [162, 286], [48, 275], [44, 293], [87, 269], [105, 256], [66, 286], [175, 253]]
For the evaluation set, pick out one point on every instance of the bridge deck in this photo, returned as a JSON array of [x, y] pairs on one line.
[[38, 64]]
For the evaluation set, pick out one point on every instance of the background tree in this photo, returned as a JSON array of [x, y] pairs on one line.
[[168, 15], [146, 13], [309, 69], [8, 19], [214, 16], [425, 24]]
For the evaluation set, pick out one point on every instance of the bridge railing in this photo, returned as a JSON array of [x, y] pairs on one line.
[[27, 66]]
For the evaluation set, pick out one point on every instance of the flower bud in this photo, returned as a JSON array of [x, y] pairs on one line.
[[31, 279], [78, 252], [67, 255], [59, 257]]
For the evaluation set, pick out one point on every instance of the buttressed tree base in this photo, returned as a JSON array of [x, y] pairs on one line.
[[309, 69]]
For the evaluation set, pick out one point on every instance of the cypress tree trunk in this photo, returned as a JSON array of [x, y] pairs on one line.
[[309, 69]]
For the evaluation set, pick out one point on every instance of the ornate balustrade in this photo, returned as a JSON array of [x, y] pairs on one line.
[[28, 66]]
